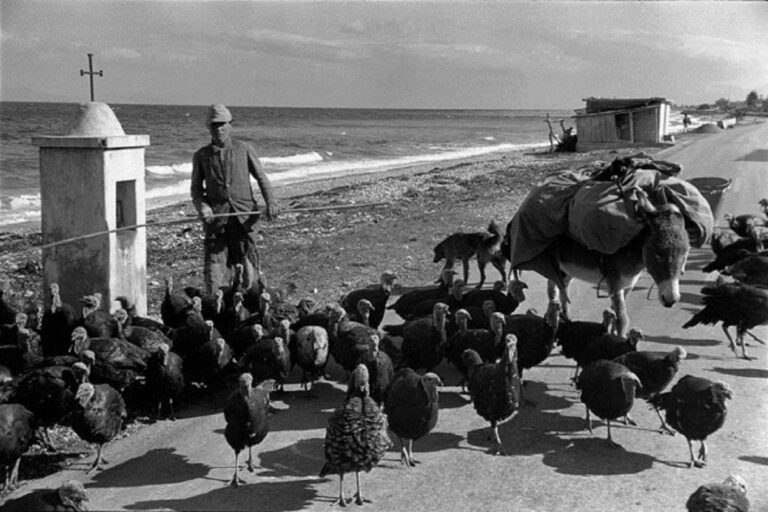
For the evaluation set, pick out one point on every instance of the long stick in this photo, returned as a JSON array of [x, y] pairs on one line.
[[194, 218]]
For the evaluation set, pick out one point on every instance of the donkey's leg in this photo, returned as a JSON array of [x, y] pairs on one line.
[[552, 291], [557, 293], [619, 304], [565, 297]]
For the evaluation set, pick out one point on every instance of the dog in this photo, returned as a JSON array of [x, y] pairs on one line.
[[485, 245]]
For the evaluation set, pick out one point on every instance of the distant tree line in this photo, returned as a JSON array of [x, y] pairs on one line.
[[754, 102]]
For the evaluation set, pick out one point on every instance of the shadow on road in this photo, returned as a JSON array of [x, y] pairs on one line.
[[692, 310], [757, 373], [306, 457], [691, 298], [674, 463], [698, 263], [303, 458], [304, 413], [42, 464], [666, 340], [536, 421], [291, 495], [453, 399], [758, 155], [197, 402], [158, 466], [594, 456], [695, 282], [41, 499], [692, 356], [432, 442], [530, 432], [755, 459], [701, 255], [537, 392]]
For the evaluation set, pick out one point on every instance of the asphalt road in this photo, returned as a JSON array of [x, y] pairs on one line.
[[739, 154], [555, 464]]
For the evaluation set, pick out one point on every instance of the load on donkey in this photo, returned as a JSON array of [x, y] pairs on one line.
[[605, 224]]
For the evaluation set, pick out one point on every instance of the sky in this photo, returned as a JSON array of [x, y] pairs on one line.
[[377, 54]]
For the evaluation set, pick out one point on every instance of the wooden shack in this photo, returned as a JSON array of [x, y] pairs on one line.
[[607, 122]]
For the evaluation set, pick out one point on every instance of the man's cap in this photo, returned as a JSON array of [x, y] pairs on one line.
[[218, 113]]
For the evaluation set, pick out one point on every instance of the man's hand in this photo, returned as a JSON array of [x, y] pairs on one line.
[[272, 211], [206, 213]]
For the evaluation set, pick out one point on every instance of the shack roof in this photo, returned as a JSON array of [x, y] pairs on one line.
[[597, 105]]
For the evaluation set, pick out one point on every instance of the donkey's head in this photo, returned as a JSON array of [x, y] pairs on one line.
[[666, 248]]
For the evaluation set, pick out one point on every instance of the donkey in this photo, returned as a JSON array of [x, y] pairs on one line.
[[661, 247]]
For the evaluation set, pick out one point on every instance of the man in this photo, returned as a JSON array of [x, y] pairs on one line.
[[686, 123], [221, 184]]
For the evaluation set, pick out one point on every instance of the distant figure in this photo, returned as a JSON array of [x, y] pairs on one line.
[[221, 184], [686, 123]]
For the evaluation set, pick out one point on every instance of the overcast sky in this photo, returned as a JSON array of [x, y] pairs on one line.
[[383, 54]]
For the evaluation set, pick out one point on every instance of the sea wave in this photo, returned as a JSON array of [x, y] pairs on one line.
[[269, 162], [330, 169], [298, 159], [169, 170], [19, 217], [21, 201]]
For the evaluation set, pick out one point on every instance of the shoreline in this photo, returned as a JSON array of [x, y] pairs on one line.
[[297, 194], [298, 189], [291, 195]]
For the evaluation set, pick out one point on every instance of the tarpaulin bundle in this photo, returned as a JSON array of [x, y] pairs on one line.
[[594, 205]]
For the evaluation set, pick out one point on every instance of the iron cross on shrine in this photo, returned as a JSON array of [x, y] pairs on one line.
[[91, 72]]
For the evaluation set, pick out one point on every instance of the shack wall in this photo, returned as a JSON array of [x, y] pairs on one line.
[[648, 124], [597, 128]]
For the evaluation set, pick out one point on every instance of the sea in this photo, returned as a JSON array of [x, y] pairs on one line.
[[293, 144]]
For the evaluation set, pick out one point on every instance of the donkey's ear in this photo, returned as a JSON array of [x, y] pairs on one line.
[[643, 205]]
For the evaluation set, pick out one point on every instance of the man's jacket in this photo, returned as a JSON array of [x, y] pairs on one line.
[[221, 179]]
